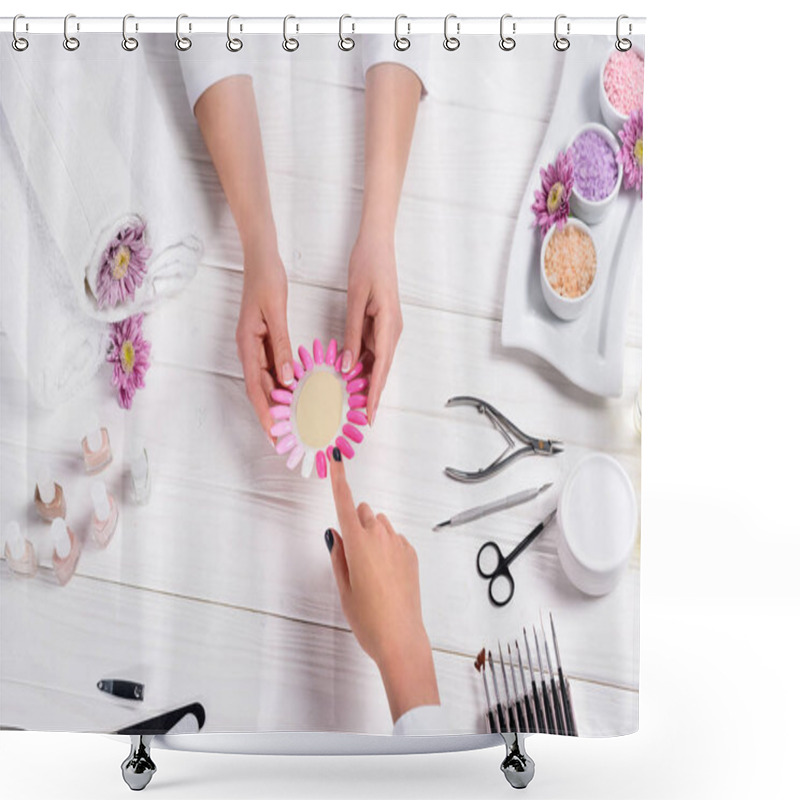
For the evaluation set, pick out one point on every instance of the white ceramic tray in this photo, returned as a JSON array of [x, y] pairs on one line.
[[589, 350]]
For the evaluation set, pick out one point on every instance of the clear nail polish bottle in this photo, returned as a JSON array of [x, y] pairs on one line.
[[140, 476], [106, 514], [96, 447], [20, 552], [48, 497], [66, 551]]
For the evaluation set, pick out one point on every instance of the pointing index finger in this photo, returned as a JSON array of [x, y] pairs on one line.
[[343, 499]]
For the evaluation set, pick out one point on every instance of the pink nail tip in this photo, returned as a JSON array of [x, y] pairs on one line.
[[298, 370], [280, 412], [285, 445], [282, 396], [353, 433], [354, 372], [281, 429], [295, 457], [354, 387], [344, 446], [338, 365], [357, 417], [357, 401], [330, 356], [305, 357], [318, 357], [322, 464], [329, 452]]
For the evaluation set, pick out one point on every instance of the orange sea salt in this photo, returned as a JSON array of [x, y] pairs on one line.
[[570, 261]]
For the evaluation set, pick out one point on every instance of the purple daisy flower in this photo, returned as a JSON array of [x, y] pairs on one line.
[[630, 154], [129, 353], [123, 266], [551, 202]]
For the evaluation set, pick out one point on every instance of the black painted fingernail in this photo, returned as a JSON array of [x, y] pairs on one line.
[[329, 539], [337, 454]]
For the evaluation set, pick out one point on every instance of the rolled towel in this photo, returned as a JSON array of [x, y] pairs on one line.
[[107, 170], [58, 346]]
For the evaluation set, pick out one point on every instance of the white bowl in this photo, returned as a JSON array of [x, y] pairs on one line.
[[592, 211], [614, 119], [566, 308], [598, 519]]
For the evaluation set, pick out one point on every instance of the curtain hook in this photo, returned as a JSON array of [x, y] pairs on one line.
[[129, 43], [290, 44], [561, 43], [401, 42], [346, 42], [233, 44], [623, 45], [507, 42], [19, 43], [451, 43], [183, 43], [70, 43]]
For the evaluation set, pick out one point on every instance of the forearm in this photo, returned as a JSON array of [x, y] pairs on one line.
[[228, 119], [392, 98], [409, 678]]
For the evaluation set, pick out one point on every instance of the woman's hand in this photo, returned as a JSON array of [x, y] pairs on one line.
[[378, 580], [374, 319], [262, 335]]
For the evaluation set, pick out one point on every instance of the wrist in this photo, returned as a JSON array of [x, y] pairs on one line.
[[409, 676], [260, 246]]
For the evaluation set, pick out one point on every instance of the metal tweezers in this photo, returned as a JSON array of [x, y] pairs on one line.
[[507, 429]]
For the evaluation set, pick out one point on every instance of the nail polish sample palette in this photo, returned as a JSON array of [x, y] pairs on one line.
[[322, 408]]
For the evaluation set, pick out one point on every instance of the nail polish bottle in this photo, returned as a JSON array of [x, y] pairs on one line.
[[140, 476], [20, 552], [96, 447], [106, 514], [48, 497], [66, 551]]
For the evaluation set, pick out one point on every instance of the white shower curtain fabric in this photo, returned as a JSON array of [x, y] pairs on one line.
[[205, 580]]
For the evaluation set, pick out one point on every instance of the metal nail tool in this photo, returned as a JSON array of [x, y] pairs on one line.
[[490, 508]]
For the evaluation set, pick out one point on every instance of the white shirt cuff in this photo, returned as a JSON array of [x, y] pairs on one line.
[[422, 721], [207, 62], [378, 48]]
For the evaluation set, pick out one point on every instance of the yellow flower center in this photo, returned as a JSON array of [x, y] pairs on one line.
[[637, 151], [127, 356], [554, 197], [122, 260]]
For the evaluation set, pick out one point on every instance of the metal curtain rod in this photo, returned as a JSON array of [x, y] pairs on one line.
[[464, 26]]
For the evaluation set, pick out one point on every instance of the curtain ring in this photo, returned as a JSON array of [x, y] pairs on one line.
[[507, 42], [233, 44], [401, 42], [129, 43], [623, 45], [561, 43], [290, 44], [19, 43], [451, 43], [70, 43], [183, 43], [346, 43]]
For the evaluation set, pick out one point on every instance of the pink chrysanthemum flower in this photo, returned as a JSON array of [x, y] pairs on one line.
[[551, 202], [630, 154], [123, 266], [129, 353]]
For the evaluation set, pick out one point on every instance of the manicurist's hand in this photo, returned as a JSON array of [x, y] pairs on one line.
[[378, 580], [374, 318], [262, 335]]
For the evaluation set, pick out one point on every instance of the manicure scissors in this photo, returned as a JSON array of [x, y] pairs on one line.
[[494, 566], [531, 445]]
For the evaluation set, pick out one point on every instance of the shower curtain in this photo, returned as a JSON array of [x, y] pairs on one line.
[[256, 301]]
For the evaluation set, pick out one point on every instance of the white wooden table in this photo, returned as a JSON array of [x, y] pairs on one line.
[[220, 589]]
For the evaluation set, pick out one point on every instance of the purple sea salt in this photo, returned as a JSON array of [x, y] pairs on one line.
[[595, 163]]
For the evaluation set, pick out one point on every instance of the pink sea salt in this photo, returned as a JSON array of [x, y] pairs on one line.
[[595, 166], [623, 80], [570, 262]]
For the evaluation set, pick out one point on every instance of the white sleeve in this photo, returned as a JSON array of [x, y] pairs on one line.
[[422, 721], [208, 61], [378, 48]]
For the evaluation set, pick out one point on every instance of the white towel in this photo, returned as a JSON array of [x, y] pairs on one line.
[[58, 347], [100, 155]]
